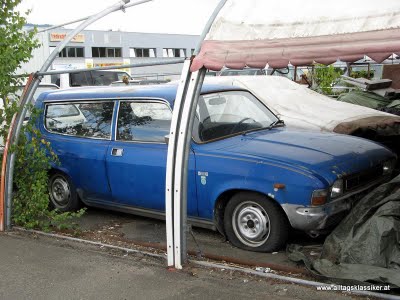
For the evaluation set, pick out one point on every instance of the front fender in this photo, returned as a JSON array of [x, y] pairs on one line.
[[224, 174]]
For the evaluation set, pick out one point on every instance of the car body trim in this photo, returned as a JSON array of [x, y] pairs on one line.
[[258, 162], [149, 213], [314, 218]]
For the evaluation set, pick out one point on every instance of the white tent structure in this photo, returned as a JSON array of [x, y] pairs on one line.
[[254, 33]]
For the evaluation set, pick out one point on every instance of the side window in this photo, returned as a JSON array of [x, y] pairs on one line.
[[80, 119], [143, 121]]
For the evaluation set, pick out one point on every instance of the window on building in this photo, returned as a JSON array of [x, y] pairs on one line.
[[142, 52], [71, 52], [174, 52], [106, 52]]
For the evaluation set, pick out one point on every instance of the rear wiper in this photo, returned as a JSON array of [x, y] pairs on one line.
[[270, 126]]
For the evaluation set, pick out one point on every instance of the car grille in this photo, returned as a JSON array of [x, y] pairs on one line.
[[358, 180]]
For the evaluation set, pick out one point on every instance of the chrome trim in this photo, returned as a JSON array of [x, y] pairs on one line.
[[360, 190], [314, 218], [80, 102], [138, 99], [99, 99], [149, 213]]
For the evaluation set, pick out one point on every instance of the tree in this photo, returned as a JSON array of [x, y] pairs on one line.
[[34, 153], [326, 77], [16, 45]]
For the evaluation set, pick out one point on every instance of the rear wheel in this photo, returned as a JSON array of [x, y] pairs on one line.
[[62, 193], [256, 223]]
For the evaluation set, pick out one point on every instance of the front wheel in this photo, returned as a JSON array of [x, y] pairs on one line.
[[62, 193], [256, 223]]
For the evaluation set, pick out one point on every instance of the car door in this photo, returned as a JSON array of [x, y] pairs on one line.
[[80, 133], [137, 156]]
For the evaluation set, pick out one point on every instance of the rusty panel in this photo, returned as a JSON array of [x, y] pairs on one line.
[[392, 72]]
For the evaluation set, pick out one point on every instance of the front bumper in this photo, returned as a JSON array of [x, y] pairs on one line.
[[317, 219]]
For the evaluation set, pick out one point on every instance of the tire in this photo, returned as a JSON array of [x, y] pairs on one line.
[[62, 193], [256, 223]]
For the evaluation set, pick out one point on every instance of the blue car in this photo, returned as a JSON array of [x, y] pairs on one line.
[[249, 177]]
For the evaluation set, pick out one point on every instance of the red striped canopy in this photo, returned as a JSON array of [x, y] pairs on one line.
[[255, 33]]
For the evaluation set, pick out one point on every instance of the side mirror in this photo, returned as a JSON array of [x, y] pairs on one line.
[[166, 139]]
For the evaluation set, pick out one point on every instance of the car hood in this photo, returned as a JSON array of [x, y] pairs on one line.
[[324, 154]]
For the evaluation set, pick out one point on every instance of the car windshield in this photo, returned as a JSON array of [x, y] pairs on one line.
[[229, 113]]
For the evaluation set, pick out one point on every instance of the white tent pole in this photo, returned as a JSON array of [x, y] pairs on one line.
[[184, 137], [26, 98], [178, 155], [169, 184]]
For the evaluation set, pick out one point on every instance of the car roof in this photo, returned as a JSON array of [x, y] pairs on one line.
[[160, 91]]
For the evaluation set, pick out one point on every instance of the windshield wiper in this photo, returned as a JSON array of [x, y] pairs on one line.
[[276, 123], [270, 126]]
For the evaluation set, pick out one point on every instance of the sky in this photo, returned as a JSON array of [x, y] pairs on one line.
[[158, 16]]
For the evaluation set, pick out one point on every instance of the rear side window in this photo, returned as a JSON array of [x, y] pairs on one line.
[[104, 77], [80, 119], [143, 121], [80, 79]]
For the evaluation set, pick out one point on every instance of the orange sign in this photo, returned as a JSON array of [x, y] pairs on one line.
[[58, 37], [107, 64]]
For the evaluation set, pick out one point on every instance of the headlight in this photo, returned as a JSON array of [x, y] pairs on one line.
[[388, 166], [337, 188]]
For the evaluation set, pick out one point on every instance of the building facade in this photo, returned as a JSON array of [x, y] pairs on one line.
[[92, 48]]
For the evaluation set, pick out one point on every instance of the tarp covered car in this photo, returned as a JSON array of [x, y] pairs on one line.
[[366, 244], [303, 108]]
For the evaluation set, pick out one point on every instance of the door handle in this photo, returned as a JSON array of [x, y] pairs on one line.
[[117, 151]]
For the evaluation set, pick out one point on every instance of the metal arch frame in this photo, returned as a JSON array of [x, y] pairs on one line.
[[27, 96], [178, 154]]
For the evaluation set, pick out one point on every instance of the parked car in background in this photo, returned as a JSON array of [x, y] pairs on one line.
[[246, 71], [288, 72], [249, 176], [138, 82], [11, 98], [88, 78], [40, 89]]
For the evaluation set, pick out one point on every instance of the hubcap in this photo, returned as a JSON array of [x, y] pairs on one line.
[[251, 224], [60, 192]]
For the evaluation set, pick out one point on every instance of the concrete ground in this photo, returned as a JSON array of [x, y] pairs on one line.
[[110, 227], [37, 267]]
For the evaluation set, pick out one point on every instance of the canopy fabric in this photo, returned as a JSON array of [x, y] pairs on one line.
[[255, 33]]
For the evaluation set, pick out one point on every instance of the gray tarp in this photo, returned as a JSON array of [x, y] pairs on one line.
[[365, 246], [364, 98]]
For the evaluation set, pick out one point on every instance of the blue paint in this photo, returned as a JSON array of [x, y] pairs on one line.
[[303, 161]]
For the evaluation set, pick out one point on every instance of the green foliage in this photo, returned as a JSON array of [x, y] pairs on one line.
[[16, 45], [33, 155], [362, 74], [326, 77], [31, 199]]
